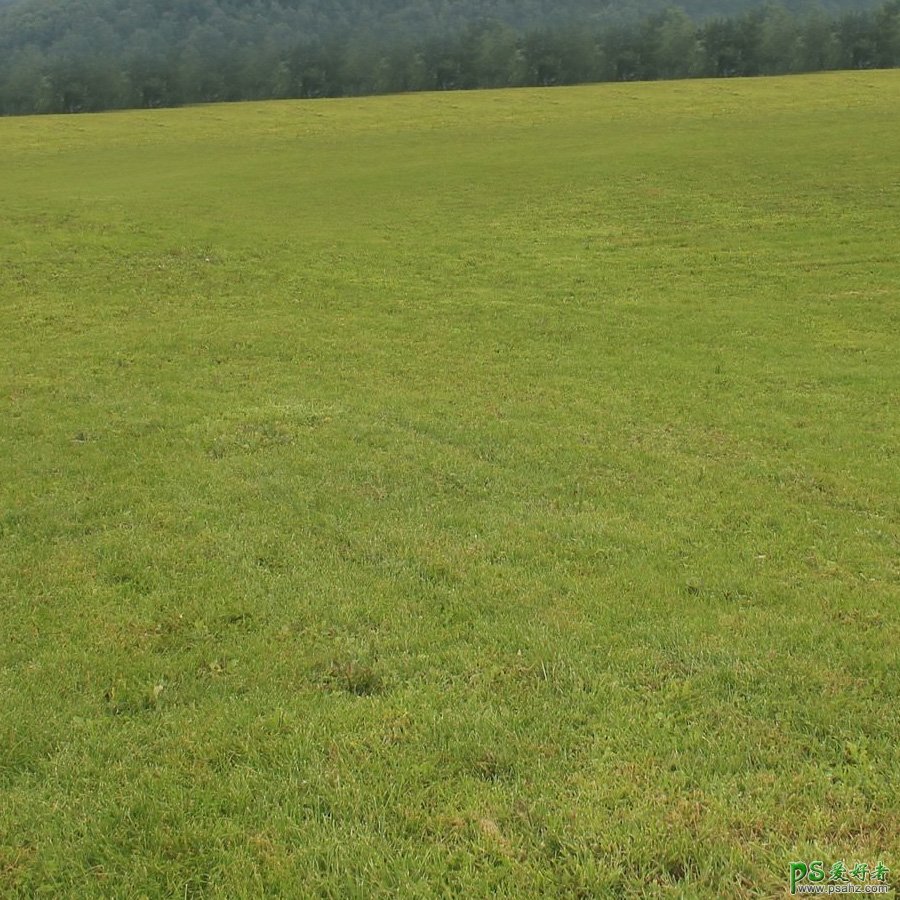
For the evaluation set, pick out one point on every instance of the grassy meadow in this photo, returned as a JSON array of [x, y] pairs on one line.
[[486, 494]]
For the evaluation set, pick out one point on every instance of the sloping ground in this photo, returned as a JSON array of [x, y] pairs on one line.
[[461, 494]]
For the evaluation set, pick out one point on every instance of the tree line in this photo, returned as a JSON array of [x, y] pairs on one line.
[[64, 56]]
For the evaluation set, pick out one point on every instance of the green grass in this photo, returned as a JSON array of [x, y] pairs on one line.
[[490, 493]]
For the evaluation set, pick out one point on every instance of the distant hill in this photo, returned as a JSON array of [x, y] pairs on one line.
[[70, 55]]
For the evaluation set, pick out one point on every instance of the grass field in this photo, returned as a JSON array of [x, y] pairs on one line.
[[452, 495]]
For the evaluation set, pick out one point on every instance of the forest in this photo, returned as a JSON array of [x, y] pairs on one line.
[[87, 55]]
